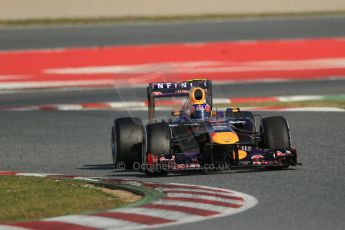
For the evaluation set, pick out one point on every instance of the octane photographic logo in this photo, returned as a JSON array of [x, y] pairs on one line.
[[138, 166], [120, 165]]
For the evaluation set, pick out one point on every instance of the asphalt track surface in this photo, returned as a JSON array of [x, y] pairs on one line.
[[145, 33], [305, 197]]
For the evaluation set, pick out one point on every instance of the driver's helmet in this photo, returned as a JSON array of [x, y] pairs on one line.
[[199, 107]]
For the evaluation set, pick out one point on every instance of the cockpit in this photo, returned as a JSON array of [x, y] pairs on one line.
[[200, 114], [196, 105]]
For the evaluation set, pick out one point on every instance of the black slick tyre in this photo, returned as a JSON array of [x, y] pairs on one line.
[[275, 135], [158, 136], [127, 137]]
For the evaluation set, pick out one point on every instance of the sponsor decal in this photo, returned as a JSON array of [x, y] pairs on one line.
[[224, 137], [246, 148], [279, 154], [238, 122], [182, 91], [241, 155], [156, 93], [175, 85], [257, 157], [220, 127], [216, 122], [199, 107]]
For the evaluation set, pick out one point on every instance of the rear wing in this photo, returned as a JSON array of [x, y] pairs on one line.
[[175, 89]]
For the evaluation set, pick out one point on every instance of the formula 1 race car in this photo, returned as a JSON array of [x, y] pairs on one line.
[[199, 136]]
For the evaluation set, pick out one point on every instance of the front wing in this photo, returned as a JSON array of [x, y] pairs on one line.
[[282, 158]]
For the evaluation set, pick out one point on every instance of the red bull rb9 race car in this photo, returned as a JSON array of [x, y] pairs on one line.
[[199, 137]]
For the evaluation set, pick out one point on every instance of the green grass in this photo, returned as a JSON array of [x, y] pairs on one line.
[[150, 19], [26, 198]]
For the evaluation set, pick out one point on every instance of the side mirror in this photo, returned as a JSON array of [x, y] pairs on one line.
[[178, 113], [233, 110]]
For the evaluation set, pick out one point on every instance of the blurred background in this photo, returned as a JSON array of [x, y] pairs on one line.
[[73, 9]]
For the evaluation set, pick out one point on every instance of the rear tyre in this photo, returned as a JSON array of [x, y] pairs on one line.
[[127, 137], [158, 142], [275, 135]]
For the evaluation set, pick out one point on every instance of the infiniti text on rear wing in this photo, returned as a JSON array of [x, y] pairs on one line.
[[175, 89]]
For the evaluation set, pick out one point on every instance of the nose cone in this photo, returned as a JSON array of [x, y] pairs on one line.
[[224, 138]]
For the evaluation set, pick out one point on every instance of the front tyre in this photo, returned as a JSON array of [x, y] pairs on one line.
[[158, 142], [275, 135], [158, 138]]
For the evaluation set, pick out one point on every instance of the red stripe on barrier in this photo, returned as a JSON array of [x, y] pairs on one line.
[[203, 201], [189, 210], [136, 218], [51, 225], [206, 194]]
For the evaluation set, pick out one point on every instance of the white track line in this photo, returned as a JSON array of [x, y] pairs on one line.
[[34, 174], [205, 67], [305, 109], [166, 214], [299, 98], [51, 84], [8, 227], [197, 190], [209, 207], [97, 222]]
